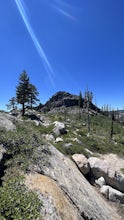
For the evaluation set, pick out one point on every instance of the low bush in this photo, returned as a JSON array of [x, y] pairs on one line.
[[16, 203]]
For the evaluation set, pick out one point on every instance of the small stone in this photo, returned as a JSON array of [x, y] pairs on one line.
[[100, 182], [58, 139]]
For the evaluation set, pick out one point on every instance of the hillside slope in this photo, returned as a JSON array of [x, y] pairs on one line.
[[31, 154]]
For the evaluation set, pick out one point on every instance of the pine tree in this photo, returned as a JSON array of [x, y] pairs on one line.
[[112, 124], [80, 103], [33, 95], [88, 96], [12, 103], [23, 91]]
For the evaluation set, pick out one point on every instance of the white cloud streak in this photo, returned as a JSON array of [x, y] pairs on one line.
[[47, 66], [66, 14]]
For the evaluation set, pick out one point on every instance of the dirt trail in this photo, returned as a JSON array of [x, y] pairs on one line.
[[115, 161]]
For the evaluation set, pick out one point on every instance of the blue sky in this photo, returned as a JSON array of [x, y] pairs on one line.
[[64, 45]]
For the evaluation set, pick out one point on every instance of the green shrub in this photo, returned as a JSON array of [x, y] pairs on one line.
[[122, 170], [16, 203], [45, 130]]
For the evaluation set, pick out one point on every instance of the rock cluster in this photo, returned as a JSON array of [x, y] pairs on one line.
[[112, 194], [102, 168], [7, 121], [86, 202], [111, 183]]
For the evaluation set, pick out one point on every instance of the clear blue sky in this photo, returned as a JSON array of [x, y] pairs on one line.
[[64, 45]]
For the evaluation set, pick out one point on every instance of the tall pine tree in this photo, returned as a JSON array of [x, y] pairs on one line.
[[80, 103], [88, 96], [33, 95], [23, 91]]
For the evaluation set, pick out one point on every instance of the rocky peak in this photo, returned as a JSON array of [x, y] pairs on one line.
[[63, 99], [60, 99]]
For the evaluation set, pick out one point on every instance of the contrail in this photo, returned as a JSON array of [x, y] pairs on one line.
[[64, 8], [47, 66], [66, 14]]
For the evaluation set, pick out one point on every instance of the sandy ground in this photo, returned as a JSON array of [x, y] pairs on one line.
[[116, 162]]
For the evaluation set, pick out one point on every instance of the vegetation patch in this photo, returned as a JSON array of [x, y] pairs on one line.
[[98, 141], [16, 203]]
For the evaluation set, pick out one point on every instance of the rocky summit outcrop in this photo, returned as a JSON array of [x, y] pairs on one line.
[[7, 121], [102, 168], [62, 101], [66, 179]]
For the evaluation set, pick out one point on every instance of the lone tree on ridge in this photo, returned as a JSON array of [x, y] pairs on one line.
[[26, 92]]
